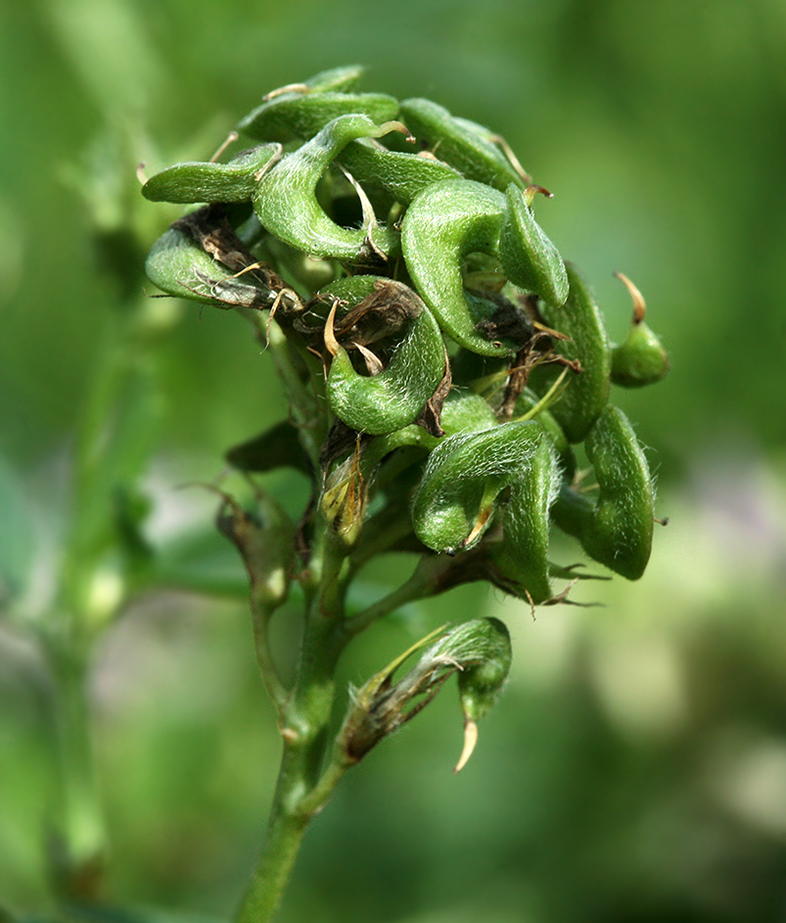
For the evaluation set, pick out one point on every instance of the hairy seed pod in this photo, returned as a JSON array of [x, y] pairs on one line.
[[463, 478], [529, 258], [211, 182], [444, 224], [460, 143], [286, 204], [393, 398], [400, 174], [303, 114], [616, 529], [587, 393]]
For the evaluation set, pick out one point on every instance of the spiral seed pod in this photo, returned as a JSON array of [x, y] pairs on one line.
[[442, 336], [391, 399], [529, 258], [286, 204]]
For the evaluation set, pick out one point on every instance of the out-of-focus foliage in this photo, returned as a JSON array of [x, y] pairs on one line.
[[635, 768]]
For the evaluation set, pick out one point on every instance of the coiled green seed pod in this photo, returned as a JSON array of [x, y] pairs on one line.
[[393, 398], [286, 204], [529, 258]]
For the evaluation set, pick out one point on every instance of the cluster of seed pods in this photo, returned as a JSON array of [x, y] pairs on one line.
[[460, 359]]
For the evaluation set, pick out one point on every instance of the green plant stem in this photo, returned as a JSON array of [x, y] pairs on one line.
[[302, 788], [426, 580], [260, 620], [79, 844]]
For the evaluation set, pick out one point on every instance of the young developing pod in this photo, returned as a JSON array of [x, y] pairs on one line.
[[529, 258], [478, 650], [587, 392], [393, 398], [178, 266], [286, 204], [616, 529], [402, 175], [211, 182], [445, 223], [460, 143], [344, 499], [641, 359], [522, 555], [303, 113], [464, 475]]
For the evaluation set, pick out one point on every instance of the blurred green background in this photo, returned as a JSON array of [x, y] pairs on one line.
[[635, 770]]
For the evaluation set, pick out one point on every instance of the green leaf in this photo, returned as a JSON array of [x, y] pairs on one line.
[[277, 447]]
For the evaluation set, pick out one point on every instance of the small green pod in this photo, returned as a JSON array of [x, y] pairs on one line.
[[445, 223], [529, 258], [616, 530], [389, 401], [400, 174], [640, 360], [587, 392], [179, 267], [522, 555], [460, 143], [285, 198], [464, 475], [211, 182], [303, 114], [481, 683]]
